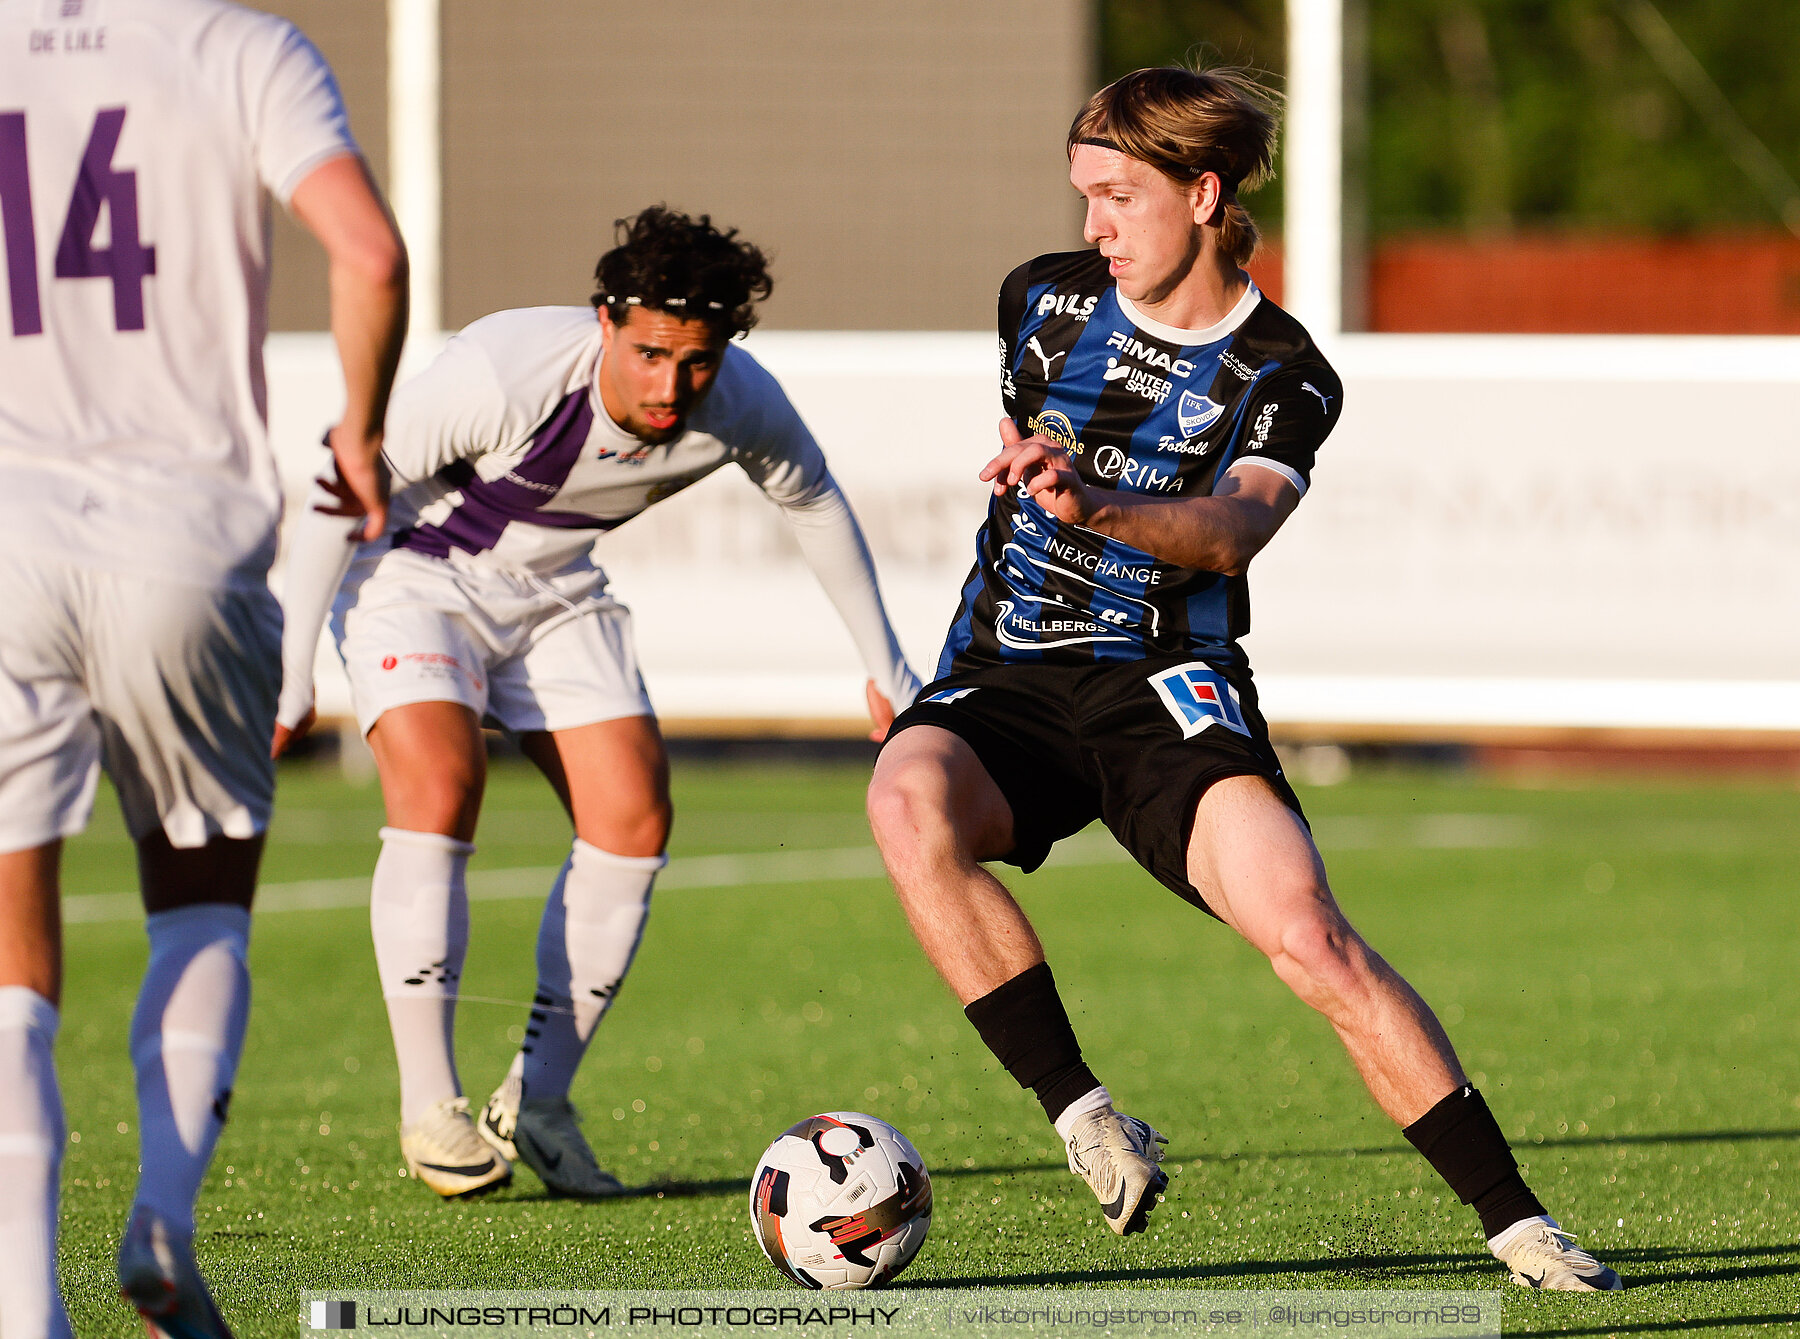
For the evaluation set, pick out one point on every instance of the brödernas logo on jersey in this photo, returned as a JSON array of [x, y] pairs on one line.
[[1196, 412], [1055, 425]]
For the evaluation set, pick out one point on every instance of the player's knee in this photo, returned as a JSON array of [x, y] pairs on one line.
[[1316, 952], [907, 806], [442, 800]]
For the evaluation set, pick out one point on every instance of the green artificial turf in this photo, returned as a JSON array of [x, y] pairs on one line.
[[1617, 964]]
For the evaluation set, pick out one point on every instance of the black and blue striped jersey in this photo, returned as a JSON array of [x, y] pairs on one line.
[[1141, 407]]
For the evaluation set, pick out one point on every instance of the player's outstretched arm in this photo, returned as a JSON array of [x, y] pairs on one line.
[[340, 205], [832, 543], [320, 546]]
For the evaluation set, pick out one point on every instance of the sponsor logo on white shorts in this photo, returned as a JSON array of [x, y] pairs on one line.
[[431, 665]]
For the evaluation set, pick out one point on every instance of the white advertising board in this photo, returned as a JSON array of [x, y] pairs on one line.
[[1579, 532]]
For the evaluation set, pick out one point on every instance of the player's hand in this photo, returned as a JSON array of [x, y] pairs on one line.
[[285, 737], [881, 711], [361, 482], [1046, 471]]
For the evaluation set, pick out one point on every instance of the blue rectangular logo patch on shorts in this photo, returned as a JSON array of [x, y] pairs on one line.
[[1198, 696]]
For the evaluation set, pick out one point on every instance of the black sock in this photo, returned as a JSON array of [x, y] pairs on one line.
[[1462, 1141], [1025, 1025]]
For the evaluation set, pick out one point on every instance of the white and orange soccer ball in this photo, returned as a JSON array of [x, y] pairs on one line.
[[841, 1200]]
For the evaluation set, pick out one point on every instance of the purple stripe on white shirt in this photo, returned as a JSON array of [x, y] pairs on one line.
[[488, 506]]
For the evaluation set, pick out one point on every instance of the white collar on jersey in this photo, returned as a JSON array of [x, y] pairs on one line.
[[1174, 334]]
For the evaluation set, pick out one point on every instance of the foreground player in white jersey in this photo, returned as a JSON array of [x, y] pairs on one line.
[[532, 434], [138, 506]]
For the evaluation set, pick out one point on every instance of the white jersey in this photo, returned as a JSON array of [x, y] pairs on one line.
[[137, 138], [508, 469], [504, 457]]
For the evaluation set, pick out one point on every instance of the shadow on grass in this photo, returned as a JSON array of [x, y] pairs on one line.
[[1663, 1326], [1398, 1270], [1580, 1141]]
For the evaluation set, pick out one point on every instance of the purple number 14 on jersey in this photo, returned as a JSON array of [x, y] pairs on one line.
[[125, 260]]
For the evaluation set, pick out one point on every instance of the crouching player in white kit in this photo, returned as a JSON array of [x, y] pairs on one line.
[[138, 507], [532, 434]]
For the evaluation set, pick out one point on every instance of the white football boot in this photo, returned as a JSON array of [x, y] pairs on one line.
[[158, 1276], [445, 1151], [1117, 1156], [544, 1134], [1539, 1254]]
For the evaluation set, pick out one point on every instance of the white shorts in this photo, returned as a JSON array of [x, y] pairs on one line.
[[523, 653], [170, 686]]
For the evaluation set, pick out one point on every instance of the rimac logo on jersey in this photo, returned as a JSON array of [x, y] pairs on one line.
[[1149, 354], [1067, 304], [1198, 697], [1197, 412]]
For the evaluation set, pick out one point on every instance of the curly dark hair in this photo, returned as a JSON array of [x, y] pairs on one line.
[[666, 261]]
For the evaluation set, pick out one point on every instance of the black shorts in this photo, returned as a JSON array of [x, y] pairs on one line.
[[1135, 744]]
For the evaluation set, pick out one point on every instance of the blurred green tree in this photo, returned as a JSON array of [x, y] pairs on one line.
[[1491, 117]]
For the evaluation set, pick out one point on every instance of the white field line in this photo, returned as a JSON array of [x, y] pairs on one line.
[[1095, 847]]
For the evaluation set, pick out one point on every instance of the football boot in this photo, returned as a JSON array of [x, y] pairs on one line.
[[444, 1151], [1117, 1156], [1539, 1254], [158, 1276]]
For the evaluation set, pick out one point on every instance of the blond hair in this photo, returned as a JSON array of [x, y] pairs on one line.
[[1185, 123]]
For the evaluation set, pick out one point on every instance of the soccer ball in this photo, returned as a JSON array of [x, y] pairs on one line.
[[841, 1201]]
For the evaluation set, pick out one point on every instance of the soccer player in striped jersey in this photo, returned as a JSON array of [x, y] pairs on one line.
[[534, 433], [139, 142], [1162, 420]]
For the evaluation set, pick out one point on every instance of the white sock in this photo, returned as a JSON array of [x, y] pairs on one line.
[[592, 923], [419, 916], [1095, 1099], [186, 1036], [31, 1144]]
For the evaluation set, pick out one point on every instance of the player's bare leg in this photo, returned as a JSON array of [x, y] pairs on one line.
[[1254, 862], [936, 814], [31, 1119], [613, 779], [187, 1034], [432, 759]]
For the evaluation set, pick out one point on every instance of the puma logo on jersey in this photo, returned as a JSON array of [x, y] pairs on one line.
[[1045, 358], [1067, 304], [1324, 399]]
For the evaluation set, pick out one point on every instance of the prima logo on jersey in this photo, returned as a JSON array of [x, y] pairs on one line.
[[1197, 412], [1112, 463], [1056, 426], [1199, 697], [1067, 304], [1149, 354]]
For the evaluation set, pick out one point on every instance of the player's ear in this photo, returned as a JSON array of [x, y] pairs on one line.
[[1208, 196]]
